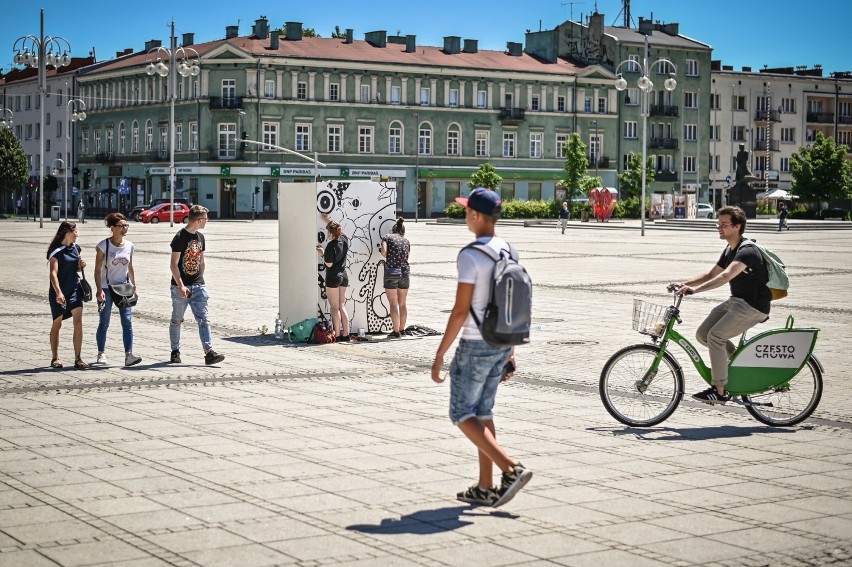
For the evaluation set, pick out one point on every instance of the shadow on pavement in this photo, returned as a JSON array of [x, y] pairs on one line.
[[694, 433], [428, 521]]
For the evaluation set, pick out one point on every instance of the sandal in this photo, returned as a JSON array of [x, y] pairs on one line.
[[80, 365], [55, 363]]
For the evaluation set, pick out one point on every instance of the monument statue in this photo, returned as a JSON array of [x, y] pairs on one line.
[[742, 194], [743, 173]]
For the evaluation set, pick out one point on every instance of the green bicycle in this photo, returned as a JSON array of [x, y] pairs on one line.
[[774, 374]]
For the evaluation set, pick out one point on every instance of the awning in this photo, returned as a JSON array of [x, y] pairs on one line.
[[775, 194]]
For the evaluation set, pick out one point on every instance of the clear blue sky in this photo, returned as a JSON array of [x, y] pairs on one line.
[[742, 32]]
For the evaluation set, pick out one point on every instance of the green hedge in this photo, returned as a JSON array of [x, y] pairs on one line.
[[514, 209]]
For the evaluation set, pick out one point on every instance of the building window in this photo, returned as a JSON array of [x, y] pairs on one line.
[[229, 91], [270, 134], [180, 91], [630, 129], [690, 132], [689, 164], [365, 93], [395, 138], [149, 136], [601, 105], [587, 104], [85, 137], [269, 88], [715, 101], [424, 140], [196, 89], [135, 138], [509, 144], [303, 137], [334, 92], [302, 90], [481, 99], [425, 95], [664, 68], [365, 139], [738, 133], [788, 135], [227, 140], [715, 132], [179, 137], [482, 143], [535, 144], [334, 136], [561, 139], [109, 140], [534, 103], [632, 65], [122, 138], [59, 128], [690, 100], [843, 109], [560, 104], [534, 192], [507, 191], [59, 100], [788, 105], [164, 139], [739, 102], [453, 138], [785, 164], [454, 98], [193, 136], [451, 191], [396, 93], [632, 98], [691, 68]]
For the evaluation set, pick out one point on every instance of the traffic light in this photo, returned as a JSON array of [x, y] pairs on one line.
[[87, 179]]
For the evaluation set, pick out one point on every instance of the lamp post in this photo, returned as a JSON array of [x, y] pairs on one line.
[[188, 66], [75, 111], [595, 146], [38, 53], [6, 122], [416, 169], [646, 86]]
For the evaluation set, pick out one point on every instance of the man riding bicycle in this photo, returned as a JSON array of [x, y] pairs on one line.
[[743, 268]]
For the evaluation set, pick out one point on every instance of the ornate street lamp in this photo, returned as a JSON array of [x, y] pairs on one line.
[[75, 111], [645, 86], [39, 53], [6, 118], [187, 67]]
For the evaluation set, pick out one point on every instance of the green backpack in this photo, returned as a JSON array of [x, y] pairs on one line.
[[779, 282]]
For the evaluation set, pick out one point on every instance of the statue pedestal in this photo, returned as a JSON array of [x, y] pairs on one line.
[[744, 197]]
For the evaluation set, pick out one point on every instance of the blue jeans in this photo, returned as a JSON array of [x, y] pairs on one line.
[[474, 376], [197, 301], [126, 316]]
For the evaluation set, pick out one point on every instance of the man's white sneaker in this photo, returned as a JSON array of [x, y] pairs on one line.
[[130, 359], [102, 359]]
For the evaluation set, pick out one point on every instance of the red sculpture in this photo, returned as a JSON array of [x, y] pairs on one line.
[[602, 203]]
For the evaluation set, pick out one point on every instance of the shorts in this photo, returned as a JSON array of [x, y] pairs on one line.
[[474, 376], [397, 282], [339, 279]]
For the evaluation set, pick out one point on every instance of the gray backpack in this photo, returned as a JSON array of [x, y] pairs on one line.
[[508, 314]]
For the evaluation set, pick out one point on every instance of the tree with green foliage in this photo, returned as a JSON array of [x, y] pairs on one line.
[[576, 166], [821, 173], [630, 181], [310, 32], [13, 164], [485, 176], [337, 34]]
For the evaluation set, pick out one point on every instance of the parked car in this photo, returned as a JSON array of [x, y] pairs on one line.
[[136, 212], [163, 211], [705, 211]]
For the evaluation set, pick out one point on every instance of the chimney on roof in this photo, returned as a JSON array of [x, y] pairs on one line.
[[349, 32], [746, 69], [410, 43], [727, 67], [596, 26], [452, 44], [514, 48], [377, 38], [260, 28], [232, 32], [273, 40], [293, 31], [127, 51], [152, 44], [188, 39], [646, 27], [672, 29], [471, 46]]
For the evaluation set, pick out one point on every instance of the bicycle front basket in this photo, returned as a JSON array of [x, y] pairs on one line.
[[649, 318]]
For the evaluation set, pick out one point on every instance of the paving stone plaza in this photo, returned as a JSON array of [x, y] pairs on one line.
[[344, 455]]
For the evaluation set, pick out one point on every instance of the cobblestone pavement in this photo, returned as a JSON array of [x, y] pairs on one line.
[[343, 454]]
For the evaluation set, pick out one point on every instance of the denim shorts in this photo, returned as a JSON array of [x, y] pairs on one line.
[[401, 281], [474, 376]]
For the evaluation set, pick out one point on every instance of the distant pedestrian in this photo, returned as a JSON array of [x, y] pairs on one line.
[[782, 216], [65, 295], [114, 265], [564, 215], [336, 279], [81, 212], [18, 205], [477, 367], [396, 249], [188, 289]]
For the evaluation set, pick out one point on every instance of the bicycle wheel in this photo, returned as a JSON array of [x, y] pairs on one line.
[[793, 403], [621, 396]]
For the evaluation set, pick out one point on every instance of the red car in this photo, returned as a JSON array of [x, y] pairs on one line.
[[163, 211]]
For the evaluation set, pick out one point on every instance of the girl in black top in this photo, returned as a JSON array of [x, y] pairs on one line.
[[396, 248], [66, 298], [336, 280]]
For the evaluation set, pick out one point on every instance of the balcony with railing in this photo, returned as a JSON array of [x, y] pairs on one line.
[[105, 157], [767, 116], [512, 115], [665, 175], [760, 145], [602, 162], [226, 103], [844, 119], [821, 117], [225, 154], [662, 143], [159, 155], [664, 110]]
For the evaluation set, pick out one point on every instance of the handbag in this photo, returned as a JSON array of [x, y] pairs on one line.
[[123, 295], [85, 287], [323, 332]]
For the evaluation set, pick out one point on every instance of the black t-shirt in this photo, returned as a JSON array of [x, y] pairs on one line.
[[750, 284], [191, 248], [335, 254], [398, 250]]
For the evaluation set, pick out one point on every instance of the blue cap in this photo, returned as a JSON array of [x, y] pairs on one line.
[[482, 200]]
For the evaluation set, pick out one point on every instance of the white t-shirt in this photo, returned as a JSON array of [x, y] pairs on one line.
[[476, 268], [116, 262]]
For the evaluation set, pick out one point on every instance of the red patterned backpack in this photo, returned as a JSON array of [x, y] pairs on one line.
[[323, 332]]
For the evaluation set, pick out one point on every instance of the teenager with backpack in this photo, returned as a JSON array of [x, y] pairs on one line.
[[742, 266], [478, 366]]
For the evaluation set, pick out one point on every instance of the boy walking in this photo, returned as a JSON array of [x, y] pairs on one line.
[[477, 367], [188, 289]]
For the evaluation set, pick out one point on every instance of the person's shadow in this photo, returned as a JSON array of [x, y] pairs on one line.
[[425, 522]]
